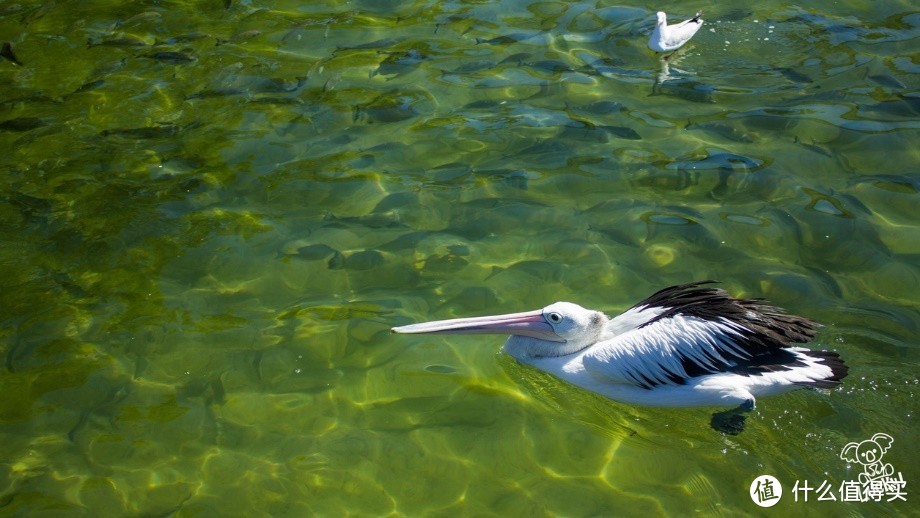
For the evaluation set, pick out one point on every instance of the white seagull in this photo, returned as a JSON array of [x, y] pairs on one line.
[[666, 38], [684, 346]]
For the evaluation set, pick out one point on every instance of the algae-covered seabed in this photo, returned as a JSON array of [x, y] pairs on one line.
[[213, 212]]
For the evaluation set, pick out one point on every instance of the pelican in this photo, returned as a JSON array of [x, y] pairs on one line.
[[667, 38], [684, 346]]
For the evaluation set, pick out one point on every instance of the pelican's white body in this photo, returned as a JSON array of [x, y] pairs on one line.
[[712, 390], [625, 344], [667, 38]]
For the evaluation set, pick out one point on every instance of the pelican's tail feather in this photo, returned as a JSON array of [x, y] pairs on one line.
[[833, 361]]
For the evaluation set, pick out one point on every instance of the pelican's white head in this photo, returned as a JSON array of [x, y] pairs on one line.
[[559, 329], [662, 19], [577, 326]]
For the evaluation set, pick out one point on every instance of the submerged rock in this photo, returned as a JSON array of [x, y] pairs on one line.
[[20, 124], [315, 252], [722, 130], [172, 57], [7, 53], [358, 261]]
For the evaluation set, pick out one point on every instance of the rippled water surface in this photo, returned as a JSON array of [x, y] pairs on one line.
[[213, 212]]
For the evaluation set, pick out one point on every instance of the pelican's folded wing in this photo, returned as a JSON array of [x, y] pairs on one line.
[[668, 351], [693, 331]]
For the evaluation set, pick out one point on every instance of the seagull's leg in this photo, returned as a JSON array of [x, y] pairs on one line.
[[679, 52], [731, 422]]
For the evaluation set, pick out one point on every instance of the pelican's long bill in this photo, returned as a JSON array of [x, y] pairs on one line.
[[529, 323]]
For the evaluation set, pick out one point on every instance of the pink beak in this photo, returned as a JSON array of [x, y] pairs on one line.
[[530, 323]]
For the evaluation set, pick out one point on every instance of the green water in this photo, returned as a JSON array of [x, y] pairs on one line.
[[213, 212]]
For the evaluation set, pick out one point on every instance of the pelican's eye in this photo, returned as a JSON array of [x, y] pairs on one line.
[[554, 318]]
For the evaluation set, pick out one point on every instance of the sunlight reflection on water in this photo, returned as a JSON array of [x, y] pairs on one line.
[[216, 213]]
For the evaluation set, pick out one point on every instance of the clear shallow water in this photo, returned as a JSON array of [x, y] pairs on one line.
[[214, 213]]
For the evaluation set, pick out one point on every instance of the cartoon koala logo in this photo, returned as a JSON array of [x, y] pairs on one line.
[[869, 453]]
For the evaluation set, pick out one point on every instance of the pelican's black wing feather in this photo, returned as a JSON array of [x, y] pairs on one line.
[[767, 327], [694, 330]]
